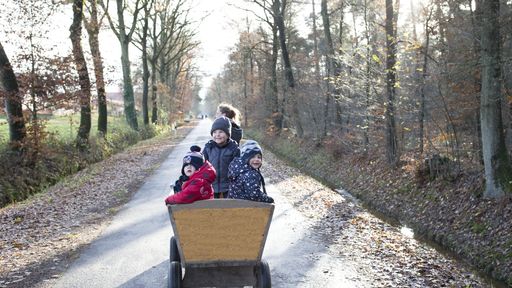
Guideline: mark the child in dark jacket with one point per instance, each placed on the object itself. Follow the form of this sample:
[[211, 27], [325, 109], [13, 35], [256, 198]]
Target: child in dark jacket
[[200, 175], [246, 181], [220, 151]]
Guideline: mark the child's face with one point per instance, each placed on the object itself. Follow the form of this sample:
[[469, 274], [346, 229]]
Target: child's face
[[189, 170], [220, 137], [256, 161]]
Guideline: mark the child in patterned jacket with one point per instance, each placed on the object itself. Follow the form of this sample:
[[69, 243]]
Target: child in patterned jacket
[[245, 179]]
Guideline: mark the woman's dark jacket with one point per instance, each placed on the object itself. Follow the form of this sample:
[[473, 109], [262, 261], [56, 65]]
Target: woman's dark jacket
[[236, 132]]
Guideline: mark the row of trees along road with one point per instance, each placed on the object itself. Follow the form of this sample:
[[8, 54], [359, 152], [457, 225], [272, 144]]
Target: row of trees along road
[[38, 78], [406, 79]]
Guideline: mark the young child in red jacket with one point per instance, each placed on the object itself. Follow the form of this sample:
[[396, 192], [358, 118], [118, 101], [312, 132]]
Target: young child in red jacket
[[201, 175]]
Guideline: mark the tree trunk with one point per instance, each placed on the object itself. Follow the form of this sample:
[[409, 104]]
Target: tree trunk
[[498, 179], [423, 84], [367, 84], [287, 65], [145, 68], [154, 102], [333, 67], [391, 137], [93, 31], [319, 131], [128, 97], [277, 116], [328, 57], [476, 20], [83, 76], [13, 101]]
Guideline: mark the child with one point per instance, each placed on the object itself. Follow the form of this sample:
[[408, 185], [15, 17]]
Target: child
[[198, 185], [233, 115], [220, 151], [246, 181]]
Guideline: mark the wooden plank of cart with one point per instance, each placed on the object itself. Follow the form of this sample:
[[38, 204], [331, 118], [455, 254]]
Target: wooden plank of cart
[[219, 243]]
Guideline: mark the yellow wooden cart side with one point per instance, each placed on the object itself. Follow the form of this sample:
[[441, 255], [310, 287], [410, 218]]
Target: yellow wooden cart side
[[220, 242]]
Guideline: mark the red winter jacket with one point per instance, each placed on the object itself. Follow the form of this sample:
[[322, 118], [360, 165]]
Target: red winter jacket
[[198, 187]]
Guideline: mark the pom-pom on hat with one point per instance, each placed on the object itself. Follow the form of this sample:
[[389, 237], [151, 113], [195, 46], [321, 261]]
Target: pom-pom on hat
[[194, 158], [222, 123], [249, 149]]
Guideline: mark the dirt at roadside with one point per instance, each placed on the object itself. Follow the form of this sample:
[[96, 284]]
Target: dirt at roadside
[[379, 251]]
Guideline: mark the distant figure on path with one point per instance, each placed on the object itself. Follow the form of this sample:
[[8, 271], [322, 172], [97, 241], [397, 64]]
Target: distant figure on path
[[220, 151], [225, 109], [246, 181], [195, 182]]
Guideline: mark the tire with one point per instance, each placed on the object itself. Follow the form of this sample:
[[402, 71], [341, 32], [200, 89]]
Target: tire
[[263, 277], [174, 254], [174, 280]]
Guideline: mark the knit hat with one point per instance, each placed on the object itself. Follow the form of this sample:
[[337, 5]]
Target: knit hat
[[249, 149], [194, 158], [222, 123]]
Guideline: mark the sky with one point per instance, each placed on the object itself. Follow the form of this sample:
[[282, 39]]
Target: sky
[[218, 34]]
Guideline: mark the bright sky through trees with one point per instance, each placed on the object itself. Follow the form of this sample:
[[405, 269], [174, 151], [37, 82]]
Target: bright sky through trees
[[218, 24]]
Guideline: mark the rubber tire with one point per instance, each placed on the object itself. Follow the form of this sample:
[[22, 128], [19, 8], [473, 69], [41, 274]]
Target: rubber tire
[[174, 254], [174, 280], [264, 280]]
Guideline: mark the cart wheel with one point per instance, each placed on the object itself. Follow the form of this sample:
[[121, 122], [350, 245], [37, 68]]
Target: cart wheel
[[174, 254], [264, 280], [174, 280]]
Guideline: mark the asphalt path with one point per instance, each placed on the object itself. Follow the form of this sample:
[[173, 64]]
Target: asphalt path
[[133, 251]]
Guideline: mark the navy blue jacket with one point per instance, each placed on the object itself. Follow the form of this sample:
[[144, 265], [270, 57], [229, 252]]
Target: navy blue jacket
[[220, 158], [246, 182]]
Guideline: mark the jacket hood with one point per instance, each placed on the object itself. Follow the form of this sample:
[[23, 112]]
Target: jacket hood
[[206, 172], [237, 167]]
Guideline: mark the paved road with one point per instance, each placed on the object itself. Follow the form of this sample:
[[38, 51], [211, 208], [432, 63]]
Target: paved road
[[133, 250]]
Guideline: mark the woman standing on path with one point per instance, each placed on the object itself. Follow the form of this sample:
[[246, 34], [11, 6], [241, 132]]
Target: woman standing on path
[[225, 109]]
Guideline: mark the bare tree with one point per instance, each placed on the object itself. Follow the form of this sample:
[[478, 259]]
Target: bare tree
[[332, 65], [391, 137], [498, 179], [93, 28], [83, 76], [421, 116], [124, 34], [145, 67], [170, 39], [9, 87]]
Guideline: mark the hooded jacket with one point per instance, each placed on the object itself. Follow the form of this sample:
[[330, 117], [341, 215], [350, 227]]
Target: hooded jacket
[[246, 182], [198, 187], [221, 157], [236, 132]]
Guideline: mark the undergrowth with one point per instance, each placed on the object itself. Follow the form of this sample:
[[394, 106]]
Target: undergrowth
[[49, 159]]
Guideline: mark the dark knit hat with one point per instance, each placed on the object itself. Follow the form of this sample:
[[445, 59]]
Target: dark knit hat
[[194, 158], [249, 149], [222, 123]]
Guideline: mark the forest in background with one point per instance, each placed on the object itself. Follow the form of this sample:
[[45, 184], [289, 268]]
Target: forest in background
[[44, 79], [416, 82]]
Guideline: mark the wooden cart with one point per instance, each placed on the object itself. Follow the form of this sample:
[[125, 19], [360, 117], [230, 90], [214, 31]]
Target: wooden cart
[[219, 243]]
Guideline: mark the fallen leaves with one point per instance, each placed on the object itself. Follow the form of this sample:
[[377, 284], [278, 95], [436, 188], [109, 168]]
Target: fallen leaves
[[381, 254], [41, 235]]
